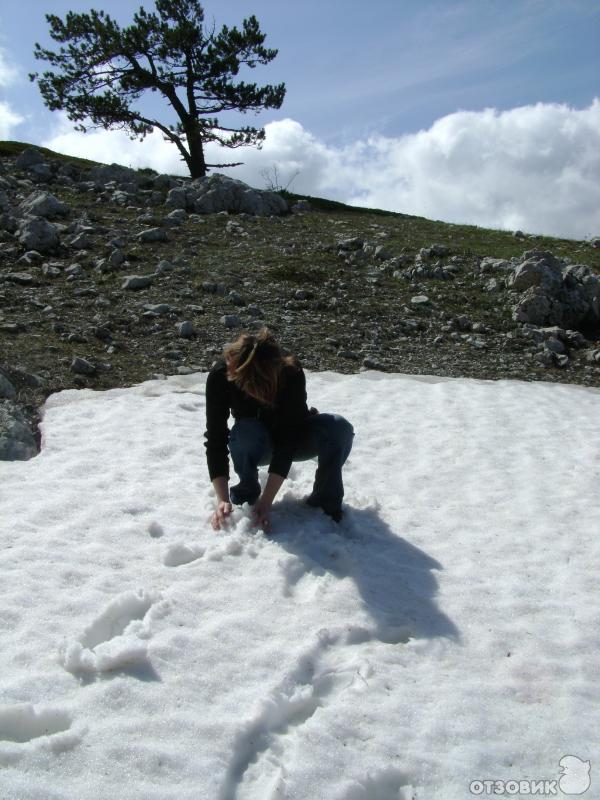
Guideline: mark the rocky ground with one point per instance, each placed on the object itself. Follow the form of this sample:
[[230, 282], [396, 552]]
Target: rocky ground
[[345, 289]]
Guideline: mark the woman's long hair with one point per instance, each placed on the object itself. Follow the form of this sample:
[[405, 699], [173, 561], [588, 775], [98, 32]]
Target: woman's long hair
[[255, 364]]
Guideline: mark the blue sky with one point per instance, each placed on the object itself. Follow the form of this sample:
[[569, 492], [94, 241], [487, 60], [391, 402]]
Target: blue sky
[[356, 70]]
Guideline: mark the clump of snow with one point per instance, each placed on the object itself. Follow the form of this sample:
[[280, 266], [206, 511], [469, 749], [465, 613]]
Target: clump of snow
[[115, 638]]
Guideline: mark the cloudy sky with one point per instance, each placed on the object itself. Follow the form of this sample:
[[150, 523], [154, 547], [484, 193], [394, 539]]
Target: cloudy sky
[[478, 111]]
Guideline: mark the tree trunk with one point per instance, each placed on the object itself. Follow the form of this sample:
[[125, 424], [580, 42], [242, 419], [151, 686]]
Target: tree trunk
[[196, 163]]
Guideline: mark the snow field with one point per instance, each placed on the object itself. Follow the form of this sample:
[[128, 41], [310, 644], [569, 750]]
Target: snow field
[[446, 631]]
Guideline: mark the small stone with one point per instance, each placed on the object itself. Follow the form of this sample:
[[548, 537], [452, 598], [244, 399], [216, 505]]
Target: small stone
[[555, 345], [116, 258], [439, 250], [350, 354], [236, 298], [31, 257], [255, 311], [419, 300], [164, 266], [231, 320], [81, 242], [353, 243], [176, 217], [102, 332], [381, 253], [463, 323], [7, 390], [157, 309], [135, 282], [153, 235], [82, 366], [302, 206], [370, 363], [186, 329], [76, 338]]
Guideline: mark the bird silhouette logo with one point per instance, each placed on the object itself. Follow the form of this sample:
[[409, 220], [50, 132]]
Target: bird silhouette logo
[[575, 775]]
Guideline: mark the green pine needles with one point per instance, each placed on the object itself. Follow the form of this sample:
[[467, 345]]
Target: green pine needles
[[101, 72]]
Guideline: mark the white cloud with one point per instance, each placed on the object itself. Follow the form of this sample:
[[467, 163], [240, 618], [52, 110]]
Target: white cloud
[[8, 73], [9, 119], [117, 147], [536, 167]]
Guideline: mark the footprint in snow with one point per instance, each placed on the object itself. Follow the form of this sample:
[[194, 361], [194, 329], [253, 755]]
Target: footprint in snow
[[116, 638], [24, 726], [320, 678], [22, 723]]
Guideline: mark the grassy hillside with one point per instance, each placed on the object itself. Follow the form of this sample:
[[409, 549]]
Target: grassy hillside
[[336, 312]]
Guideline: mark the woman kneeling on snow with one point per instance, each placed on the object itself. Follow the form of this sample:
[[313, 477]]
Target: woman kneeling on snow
[[265, 391]]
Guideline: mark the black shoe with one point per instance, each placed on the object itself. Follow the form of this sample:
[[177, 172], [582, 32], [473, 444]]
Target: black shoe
[[238, 497], [312, 501], [336, 514]]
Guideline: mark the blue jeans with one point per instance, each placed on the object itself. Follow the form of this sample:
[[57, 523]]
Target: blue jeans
[[327, 437]]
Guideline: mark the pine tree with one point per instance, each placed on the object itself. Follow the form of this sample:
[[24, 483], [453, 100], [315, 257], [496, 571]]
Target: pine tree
[[102, 71]]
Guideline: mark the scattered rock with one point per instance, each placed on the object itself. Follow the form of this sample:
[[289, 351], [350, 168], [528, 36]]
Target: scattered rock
[[300, 207], [217, 193], [36, 233], [186, 329], [490, 264], [231, 321], [43, 204], [28, 158], [22, 278], [17, 442], [370, 363], [82, 366], [135, 282], [157, 309], [236, 298], [176, 217], [555, 293], [7, 390], [153, 235], [116, 258], [354, 243]]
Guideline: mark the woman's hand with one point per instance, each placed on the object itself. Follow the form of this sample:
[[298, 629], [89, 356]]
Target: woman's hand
[[224, 509], [260, 514]]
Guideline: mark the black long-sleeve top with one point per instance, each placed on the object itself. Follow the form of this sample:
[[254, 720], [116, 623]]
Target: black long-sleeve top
[[284, 420]]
